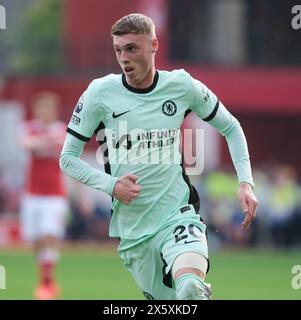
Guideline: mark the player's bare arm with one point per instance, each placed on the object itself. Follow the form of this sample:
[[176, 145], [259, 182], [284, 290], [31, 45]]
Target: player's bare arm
[[126, 188], [56, 139], [33, 142], [248, 203], [39, 142]]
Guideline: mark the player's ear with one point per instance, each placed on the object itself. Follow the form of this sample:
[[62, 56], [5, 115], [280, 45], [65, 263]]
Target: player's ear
[[155, 45]]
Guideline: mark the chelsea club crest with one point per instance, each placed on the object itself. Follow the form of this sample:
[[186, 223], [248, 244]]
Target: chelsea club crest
[[169, 108]]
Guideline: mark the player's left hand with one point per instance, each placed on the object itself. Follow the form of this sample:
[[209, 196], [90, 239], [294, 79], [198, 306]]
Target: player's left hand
[[248, 203]]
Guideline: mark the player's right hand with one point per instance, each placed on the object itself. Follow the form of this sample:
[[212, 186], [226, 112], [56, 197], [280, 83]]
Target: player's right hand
[[126, 188]]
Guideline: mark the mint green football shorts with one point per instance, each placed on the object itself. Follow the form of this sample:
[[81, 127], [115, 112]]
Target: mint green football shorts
[[150, 259]]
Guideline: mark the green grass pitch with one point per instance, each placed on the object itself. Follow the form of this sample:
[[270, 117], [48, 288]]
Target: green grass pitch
[[97, 273]]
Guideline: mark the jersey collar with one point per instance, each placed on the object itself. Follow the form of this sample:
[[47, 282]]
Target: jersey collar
[[145, 90]]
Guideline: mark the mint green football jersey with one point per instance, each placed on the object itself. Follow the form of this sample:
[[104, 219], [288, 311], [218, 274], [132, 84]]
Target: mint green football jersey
[[139, 133]]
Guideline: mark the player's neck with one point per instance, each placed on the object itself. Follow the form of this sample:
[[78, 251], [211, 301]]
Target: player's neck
[[146, 82], [46, 122]]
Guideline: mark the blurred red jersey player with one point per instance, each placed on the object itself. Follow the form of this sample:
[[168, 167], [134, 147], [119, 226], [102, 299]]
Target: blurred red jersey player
[[44, 205]]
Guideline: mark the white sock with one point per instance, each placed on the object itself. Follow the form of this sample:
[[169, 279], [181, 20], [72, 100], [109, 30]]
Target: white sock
[[191, 287]]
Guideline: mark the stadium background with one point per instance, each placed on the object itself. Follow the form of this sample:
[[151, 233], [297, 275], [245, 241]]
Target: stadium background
[[247, 52]]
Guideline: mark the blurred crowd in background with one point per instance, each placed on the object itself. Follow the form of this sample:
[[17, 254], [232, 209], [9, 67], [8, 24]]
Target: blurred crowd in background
[[278, 221]]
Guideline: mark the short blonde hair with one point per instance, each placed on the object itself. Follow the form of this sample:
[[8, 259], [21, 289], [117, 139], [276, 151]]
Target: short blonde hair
[[45, 98], [136, 23]]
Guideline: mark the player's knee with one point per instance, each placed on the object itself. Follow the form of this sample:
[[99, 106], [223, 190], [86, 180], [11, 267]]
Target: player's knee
[[189, 262], [188, 271], [192, 287]]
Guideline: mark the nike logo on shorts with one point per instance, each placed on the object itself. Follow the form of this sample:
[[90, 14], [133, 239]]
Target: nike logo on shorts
[[191, 241], [116, 115]]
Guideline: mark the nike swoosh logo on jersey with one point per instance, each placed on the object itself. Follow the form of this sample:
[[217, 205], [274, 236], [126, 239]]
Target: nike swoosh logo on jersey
[[115, 115]]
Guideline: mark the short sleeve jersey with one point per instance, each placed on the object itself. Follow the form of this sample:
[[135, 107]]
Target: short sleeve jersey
[[44, 177]]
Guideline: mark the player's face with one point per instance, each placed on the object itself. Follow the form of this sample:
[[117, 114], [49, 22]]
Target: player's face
[[135, 54], [45, 111]]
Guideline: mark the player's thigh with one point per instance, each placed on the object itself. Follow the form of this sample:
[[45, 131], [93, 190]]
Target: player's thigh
[[146, 264], [29, 217], [53, 217], [185, 235]]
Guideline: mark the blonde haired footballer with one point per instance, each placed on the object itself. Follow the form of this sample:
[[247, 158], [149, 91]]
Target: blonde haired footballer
[[155, 208]]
